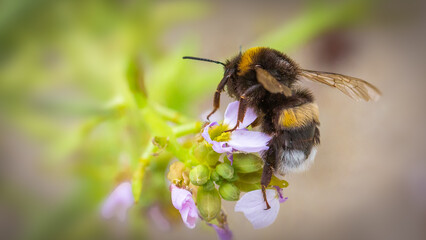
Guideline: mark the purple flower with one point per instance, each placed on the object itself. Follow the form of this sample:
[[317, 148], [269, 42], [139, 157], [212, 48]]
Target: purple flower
[[253, 206], [182, 201], [223, 233], [158, 218], [239, 140], [118, 202]]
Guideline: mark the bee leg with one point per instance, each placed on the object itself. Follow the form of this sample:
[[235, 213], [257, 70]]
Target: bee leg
[[243, 106], [265, 180], [219, 89], [241, 113], [256, 122]]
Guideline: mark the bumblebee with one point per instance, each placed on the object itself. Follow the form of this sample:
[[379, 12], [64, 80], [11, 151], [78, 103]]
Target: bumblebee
[[266, 80]]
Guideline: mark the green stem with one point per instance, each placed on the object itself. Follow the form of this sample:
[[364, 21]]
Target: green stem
[[182, 154], [137, 179], [169, 114], [185, 129]]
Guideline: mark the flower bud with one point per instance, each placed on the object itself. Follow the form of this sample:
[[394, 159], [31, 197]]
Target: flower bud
[[253, 177], [225, 170], [206, 154], [200, 151], [247, 163], [160, 142], [176, 171], [208, 203], [234, 178], [215, 176], [212, 158], [247, 187], [229, 191], [208, 186], [199, 175]]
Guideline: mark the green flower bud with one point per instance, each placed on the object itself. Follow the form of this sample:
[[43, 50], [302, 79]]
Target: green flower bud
[[160, 142], [215, 176], [212, 158], [199, 175], [229, 192], [247, 187], [206, 155], [208, 186], [201, 151], [234, 178], [225, 170], [253, 177], [208, 203], [247, 163]]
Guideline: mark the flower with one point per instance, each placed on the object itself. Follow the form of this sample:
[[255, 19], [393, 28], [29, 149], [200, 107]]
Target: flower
[[118, 202], [157, 217], [239, 140], [223, 233], [182, 201], [253, 206]]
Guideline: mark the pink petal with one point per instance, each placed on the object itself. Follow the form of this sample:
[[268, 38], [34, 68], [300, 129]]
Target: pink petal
[[182, 201], [192, 216], [231, 116], [249, 141], [179, 196], [118, 202], [253, 206]]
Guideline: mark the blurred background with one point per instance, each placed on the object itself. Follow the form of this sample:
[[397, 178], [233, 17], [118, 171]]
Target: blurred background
[[69, 131]]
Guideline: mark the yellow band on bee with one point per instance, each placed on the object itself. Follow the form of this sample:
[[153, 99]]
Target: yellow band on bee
[[247, 60], [299, 116]]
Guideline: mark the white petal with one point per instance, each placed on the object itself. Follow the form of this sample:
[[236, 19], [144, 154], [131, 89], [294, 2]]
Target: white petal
[[249, 117], [249, 141], [231, 116], [206, 134], [253, 206]]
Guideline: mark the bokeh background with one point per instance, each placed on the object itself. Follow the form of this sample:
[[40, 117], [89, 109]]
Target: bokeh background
[[70, 132]]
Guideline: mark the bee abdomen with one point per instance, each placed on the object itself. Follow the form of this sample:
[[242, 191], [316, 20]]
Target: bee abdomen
[[298, 117], [295, 161], [293, 150]]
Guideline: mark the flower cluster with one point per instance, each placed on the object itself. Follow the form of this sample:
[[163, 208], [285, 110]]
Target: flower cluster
[[218, 165], [227, 164]]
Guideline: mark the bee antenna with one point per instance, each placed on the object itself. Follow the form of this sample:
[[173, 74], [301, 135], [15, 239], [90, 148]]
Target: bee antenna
[[204, 59]]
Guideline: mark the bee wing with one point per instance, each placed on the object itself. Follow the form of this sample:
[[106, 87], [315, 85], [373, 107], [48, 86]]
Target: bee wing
[[270, 83], [355, 88]]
